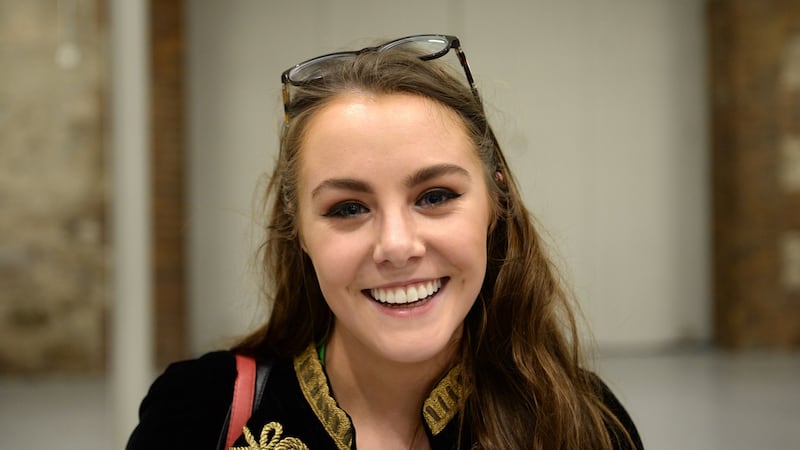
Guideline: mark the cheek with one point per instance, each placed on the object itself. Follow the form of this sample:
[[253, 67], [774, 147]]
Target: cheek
[[478, 234], [472, 252], [464, 243], [336, 259]]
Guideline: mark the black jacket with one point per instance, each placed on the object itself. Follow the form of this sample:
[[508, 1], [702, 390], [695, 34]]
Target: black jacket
[[187, 405]]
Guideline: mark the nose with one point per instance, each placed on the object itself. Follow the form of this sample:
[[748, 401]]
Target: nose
[[398, 240]]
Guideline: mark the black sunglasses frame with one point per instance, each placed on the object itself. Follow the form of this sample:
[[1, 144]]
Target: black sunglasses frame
[[452, 43]]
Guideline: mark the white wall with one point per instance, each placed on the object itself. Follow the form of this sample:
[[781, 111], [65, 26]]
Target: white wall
[[131, 354], [600, 106]]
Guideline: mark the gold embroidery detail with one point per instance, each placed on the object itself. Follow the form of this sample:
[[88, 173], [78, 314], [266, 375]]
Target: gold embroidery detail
[[439, 408], [271, 439], [315, 389], [444, 402]]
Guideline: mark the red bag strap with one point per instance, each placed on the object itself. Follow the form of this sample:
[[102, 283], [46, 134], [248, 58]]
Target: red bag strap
[[243, 390]]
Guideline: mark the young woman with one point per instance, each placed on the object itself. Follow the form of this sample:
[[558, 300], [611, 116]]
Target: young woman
[[413, 305]]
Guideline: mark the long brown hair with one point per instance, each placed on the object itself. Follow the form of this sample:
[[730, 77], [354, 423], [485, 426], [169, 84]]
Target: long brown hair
[[520, 352]]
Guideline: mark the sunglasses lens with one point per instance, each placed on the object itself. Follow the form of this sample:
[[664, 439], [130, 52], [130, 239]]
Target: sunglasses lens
[[317, 68], [427, 47]]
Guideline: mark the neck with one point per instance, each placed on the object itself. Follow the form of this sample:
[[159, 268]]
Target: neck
[[382, 395]]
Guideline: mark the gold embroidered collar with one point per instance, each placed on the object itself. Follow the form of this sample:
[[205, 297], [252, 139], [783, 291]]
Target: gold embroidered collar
[[438, 409]]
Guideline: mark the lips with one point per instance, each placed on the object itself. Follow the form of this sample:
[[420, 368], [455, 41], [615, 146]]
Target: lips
[[404, 295]]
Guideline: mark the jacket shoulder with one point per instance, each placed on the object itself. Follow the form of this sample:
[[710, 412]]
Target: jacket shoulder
[[615, 406], [186, 405]]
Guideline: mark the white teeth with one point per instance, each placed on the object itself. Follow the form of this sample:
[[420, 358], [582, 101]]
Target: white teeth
[[408, 294]]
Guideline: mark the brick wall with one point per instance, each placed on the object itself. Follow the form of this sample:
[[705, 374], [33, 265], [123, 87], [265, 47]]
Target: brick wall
[[168, 178], [53, 187], [755, 88]]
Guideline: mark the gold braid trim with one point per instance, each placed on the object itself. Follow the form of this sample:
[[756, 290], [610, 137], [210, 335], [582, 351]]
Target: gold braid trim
[[315, 389], [271, 439], [444, 402]]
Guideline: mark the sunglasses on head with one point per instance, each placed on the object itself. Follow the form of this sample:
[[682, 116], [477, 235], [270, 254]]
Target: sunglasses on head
[[427, 46]]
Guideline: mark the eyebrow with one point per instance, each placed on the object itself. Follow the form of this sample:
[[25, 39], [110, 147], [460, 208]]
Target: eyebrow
[[431, 172], [421, 176]]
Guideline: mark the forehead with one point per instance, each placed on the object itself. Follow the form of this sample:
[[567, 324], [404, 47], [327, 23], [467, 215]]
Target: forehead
[[357, 130]]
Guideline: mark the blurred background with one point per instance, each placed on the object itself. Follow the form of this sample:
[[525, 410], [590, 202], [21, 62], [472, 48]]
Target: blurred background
[[656, 141]]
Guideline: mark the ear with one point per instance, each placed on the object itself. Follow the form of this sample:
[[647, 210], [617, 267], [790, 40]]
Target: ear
[[499, 177]]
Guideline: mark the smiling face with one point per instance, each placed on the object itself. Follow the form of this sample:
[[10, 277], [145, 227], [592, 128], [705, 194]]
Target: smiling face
[[393, 211]]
